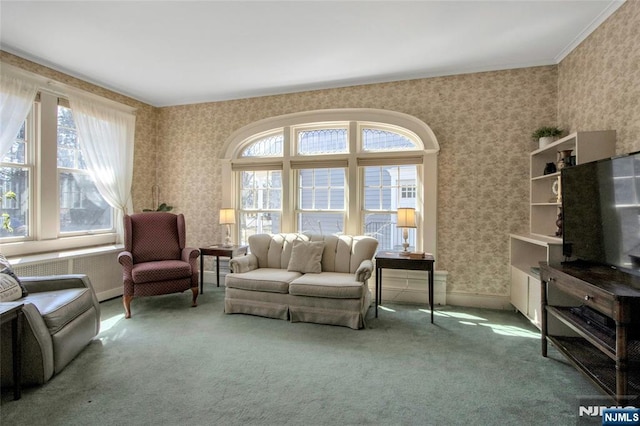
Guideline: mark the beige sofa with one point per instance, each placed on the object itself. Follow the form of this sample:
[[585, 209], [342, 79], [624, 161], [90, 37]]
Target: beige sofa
[[303, 278], [61, 317]]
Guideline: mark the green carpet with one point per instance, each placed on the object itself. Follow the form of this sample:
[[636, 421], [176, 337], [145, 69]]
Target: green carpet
[[176, 365]]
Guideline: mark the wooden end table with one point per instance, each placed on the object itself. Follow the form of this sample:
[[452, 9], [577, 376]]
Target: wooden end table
[[12, 311], [217, 251], [396, 260]]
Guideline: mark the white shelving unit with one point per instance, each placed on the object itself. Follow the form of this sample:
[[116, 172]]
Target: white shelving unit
[[542, 244]]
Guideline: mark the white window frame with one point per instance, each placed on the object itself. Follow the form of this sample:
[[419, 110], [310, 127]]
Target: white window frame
[[45, 233], [29, 164], [242, 211], [397, 201], [425, 156]]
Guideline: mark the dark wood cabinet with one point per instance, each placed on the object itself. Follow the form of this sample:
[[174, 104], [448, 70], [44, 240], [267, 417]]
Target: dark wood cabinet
[[591, 314]]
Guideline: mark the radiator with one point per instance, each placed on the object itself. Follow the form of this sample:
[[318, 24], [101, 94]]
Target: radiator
[[102, 268]]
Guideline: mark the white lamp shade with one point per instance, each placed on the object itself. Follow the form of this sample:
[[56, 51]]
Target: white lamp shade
[[227, 216], [406, 217]]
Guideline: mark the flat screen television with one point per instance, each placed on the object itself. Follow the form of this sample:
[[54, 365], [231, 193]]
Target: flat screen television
[[601, 212]]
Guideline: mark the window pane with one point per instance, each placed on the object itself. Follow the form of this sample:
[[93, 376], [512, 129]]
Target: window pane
[[271, 146], [382, 227], [321, 178], [305, 198], [261, 194], [385, 189], [321, 198], [322, 223], [69, 154], [261, 190], [383, 140], [322, 141], [275, 199], [16, 154], [389, 187], [66, 158], [258, 223], [82, 208], [372, 199], [336, 199], [14, 208], [321, 189], [248, 201], [306, 178]]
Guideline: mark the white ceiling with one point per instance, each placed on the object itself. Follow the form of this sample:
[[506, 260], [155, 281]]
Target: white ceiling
[[182, 52]]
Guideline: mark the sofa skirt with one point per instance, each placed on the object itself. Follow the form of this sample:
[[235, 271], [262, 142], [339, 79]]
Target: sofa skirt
[[270, 305], [344, 312]]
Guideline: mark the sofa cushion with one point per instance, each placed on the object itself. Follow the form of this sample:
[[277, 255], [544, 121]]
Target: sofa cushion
[[345, 253], [60, 307], [333, 285], [262, 279], [273, 250], [306, 257], [163, 270]]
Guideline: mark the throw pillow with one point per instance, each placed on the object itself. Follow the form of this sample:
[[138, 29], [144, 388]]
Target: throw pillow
[[9, 288], [306, 257], [8, 276]]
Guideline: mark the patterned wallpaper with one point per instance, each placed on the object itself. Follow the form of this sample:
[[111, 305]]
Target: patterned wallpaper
[[599, 82], [482, 122]]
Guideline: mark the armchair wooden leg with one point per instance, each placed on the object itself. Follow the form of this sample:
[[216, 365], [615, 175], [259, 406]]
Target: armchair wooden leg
[[126, 301], [194, 290]]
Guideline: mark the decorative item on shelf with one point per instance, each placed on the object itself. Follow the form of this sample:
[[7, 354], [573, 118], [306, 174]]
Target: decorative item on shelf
[[406, 220], [227, 217], [161, 208], [546, 135], [564, 158], [549, 168], [157, 206], [559, 223], [556, 188]]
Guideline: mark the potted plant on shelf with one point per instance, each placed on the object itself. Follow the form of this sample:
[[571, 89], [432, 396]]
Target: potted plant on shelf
[[161, 208], [546, 135]]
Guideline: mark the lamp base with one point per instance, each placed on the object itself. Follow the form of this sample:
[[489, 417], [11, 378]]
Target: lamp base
[[227, 241], [405, 244]]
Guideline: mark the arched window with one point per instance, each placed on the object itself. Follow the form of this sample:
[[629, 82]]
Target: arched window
[[334, 171]]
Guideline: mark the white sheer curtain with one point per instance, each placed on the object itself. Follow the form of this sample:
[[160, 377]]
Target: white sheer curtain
[[106, 138], [16, 97]]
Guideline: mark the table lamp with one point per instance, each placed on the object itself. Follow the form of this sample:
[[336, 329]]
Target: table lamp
[[406, 220], [227, 217]]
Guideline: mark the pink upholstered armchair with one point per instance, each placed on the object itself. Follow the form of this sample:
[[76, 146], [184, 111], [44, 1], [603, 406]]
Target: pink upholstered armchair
[[155, 260]]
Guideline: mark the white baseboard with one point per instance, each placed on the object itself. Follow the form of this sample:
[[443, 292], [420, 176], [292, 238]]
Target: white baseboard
[[404, 286], [479, 301], [414, 296], [209, 277], [109, 294]]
